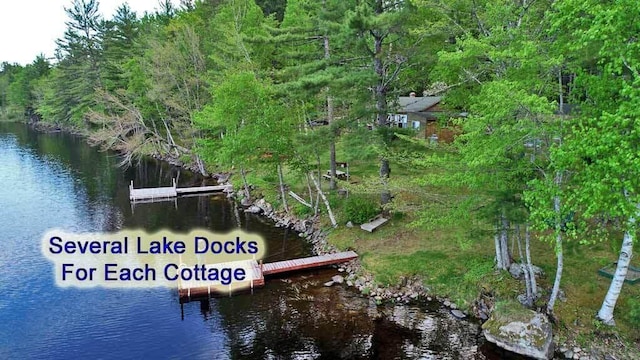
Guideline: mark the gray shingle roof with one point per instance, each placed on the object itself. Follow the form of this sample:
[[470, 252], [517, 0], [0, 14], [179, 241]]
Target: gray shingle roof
[[408, 104]]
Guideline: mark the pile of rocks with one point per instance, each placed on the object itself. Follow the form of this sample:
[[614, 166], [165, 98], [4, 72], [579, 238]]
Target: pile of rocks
[[573, 352]]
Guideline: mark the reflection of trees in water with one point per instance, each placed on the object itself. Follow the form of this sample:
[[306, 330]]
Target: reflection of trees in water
[[277, 322], [329, 323], [89, 175]]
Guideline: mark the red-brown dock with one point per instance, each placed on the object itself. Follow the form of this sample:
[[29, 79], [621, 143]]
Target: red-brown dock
[[256, 272]]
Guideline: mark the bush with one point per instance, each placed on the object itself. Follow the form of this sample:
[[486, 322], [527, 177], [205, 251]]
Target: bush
[[359, 209], [634, 311], [301, 210]]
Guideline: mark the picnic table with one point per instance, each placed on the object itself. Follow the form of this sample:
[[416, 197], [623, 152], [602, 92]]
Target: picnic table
[[339, 174]]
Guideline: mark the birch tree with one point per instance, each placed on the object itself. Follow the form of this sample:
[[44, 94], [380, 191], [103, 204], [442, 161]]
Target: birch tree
[[603, 150], [500, 70]]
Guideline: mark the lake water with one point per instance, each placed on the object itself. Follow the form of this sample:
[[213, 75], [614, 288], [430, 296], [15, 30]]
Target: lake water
[[58, 181]]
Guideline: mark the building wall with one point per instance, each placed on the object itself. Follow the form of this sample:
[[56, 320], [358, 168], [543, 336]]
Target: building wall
[[445, 134]]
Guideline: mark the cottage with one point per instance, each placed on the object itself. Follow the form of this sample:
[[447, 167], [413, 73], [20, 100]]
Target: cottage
[[421, 114]]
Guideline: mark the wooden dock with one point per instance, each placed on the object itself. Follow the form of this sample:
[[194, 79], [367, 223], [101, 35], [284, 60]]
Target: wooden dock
[[162, 193], [307, 263], [188, 290]]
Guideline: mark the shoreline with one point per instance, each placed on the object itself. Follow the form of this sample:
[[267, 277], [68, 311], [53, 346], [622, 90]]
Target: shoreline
[[410, 292]]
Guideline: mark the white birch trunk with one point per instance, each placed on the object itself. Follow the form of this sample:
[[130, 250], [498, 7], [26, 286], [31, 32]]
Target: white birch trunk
[[504, 242], [282, 194], [527, 273], [246, 184], [496, 239], [310, 191], [332, 147], [558, 223], [527, 246], [606, 311], [559, 256]]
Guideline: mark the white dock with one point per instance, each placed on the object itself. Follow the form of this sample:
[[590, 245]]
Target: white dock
[[373, 224], [204, 189], [163, 193]]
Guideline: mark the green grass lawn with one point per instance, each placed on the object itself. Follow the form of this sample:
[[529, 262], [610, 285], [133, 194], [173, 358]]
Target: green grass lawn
[[429, 235]]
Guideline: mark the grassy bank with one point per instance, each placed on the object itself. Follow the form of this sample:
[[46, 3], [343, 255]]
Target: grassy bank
[[432, 235]]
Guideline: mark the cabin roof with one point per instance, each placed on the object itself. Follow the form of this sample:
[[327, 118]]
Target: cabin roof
[[412, 104]]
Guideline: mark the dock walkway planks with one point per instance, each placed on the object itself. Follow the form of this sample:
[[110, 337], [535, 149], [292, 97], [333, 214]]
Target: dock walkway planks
[[153, 193], [172, 191], [195, 289], [203, 189], [307, 263], [370, 226]]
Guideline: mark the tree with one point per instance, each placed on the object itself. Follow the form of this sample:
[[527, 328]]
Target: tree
[[246, 126], [603, 149], [21, 91], [377, 25], [78, 75], [310, 36], [500, 64], [119, 46]]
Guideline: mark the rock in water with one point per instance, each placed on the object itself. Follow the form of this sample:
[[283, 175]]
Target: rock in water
[[337, 279], [254, 210], [245, 202], [520, 330]]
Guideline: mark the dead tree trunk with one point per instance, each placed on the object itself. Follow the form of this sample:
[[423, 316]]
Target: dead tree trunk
[[326, 203], [246, 185], [282, 193]]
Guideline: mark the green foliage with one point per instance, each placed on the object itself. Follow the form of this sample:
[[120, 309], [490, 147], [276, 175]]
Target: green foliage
[[302, 210], [634, 311], [359, 209]]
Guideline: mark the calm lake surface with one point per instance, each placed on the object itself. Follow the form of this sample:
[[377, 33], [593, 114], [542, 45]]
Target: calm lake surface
[[58, 181]]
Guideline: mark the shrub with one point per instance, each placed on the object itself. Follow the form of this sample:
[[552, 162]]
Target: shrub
[[359, 209], [634, 311], [301, 210]]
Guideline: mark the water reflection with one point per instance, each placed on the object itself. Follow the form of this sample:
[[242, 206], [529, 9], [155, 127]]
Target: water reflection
[[299, 318]]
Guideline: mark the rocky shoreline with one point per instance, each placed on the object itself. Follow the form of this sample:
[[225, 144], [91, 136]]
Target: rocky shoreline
[[352, 273], [410, 290]]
